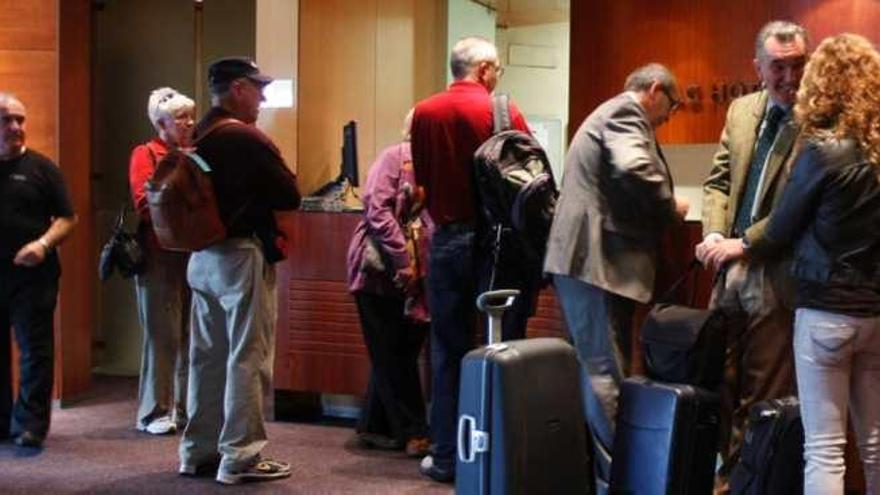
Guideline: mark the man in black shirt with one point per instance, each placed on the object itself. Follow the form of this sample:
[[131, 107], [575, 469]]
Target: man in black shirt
[[35, 217], [233, 285]]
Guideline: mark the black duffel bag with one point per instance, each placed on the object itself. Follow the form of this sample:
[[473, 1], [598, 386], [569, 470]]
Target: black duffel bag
[[684, 344], [772, 456]]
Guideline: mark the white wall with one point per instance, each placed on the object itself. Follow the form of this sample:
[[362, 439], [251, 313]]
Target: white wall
[[467, 18], [539, 83]]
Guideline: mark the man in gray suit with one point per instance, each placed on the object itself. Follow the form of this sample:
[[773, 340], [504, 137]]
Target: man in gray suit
[[750, 168], [616, 200]]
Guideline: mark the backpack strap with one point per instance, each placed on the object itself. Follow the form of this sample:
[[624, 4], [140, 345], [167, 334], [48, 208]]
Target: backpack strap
[[501, 112], [226, 121]]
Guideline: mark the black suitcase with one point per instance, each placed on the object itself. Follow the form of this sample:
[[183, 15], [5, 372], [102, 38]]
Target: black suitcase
[[772, 456], [521, 427], [666, 439]]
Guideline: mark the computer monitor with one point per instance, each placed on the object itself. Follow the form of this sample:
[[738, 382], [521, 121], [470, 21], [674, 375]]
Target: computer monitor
[[349, 154]]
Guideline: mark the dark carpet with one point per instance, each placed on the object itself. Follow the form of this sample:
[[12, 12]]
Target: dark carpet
[[94, 448]]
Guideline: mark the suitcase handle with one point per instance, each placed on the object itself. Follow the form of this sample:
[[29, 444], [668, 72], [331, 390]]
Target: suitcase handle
[[494, 303], [485, 300], [479, 440]]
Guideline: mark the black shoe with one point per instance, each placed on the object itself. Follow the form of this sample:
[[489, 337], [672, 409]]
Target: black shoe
[[435, 472], [377, 441], [29, 440], [200, 470]]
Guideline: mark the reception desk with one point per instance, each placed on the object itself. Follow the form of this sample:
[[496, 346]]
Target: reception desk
[[320, 347]]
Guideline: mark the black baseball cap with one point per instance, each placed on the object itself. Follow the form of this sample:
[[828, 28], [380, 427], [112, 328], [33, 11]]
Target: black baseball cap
[[228, 69]]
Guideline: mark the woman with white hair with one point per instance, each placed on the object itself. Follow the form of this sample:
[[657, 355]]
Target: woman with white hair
[[163, 295]]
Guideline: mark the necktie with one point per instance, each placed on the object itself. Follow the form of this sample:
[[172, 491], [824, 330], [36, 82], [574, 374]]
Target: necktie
[[762, 150]]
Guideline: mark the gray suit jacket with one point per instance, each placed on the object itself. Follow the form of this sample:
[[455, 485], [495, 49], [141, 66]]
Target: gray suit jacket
[[615, 202]]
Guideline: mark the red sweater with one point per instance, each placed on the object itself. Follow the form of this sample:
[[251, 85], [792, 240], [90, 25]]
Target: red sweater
[[447, 129], [140, 169]]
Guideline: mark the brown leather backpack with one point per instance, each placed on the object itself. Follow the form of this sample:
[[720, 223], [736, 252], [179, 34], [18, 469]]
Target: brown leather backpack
[[180, 195]]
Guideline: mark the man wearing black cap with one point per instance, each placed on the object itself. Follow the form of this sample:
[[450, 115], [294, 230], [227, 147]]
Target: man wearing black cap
[[233, 284]]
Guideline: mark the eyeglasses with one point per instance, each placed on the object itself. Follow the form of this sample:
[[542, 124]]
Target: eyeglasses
[[674, 104], [499, 69]]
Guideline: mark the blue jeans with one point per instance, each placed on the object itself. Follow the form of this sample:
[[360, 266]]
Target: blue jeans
[[837, 360], [27, 304], [597, 320], [451, 293]]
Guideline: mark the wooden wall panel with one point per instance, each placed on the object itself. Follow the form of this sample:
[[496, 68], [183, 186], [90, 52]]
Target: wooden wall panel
[[29, 25], [367, 61], [77, 303], [394, 94], [31, 76], [703, 42], [337, 67]]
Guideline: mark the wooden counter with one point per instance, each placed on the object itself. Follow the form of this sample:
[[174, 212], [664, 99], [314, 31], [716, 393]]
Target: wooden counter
[[320, 347]]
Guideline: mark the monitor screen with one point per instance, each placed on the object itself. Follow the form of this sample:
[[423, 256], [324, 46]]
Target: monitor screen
[[349, 153]]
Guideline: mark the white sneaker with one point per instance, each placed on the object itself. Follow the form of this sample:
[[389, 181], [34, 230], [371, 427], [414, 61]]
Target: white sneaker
[[159, 426]]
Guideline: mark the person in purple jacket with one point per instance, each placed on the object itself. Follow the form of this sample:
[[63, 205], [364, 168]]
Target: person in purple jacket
[[387, 263]]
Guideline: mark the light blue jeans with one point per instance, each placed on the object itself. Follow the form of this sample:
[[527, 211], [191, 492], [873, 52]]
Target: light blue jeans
[[598, 322], [837, 360]]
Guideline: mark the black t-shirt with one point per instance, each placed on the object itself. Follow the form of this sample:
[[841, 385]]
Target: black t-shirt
[[32, 193]]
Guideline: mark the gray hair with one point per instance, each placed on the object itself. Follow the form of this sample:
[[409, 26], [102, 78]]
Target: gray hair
[[7, 98], [167, 103], [645, 76], [783, 31], [468, 52]]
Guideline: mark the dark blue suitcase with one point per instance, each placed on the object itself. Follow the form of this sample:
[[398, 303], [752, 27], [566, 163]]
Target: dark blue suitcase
[[521, 427], [666, 439]]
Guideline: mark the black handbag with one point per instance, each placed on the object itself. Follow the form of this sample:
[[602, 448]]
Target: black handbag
[[122, 252], [684, 344]]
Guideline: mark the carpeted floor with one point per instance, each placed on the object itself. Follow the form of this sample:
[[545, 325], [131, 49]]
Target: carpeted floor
[[94, 448]]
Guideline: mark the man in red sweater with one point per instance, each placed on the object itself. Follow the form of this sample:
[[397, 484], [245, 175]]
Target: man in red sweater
[[447, 129]]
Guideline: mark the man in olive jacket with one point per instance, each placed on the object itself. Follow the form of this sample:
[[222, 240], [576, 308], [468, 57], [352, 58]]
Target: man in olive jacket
[[749, 172]]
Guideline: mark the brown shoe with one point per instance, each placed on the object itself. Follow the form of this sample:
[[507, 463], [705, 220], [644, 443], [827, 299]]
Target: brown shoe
[[418, 446]]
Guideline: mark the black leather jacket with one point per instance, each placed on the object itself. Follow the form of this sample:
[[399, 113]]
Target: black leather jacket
[[831, 210]]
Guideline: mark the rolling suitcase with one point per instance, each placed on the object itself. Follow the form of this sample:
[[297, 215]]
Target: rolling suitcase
[[666, 439], [521, 427]]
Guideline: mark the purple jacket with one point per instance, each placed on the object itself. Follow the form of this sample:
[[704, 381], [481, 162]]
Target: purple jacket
[[387, 198]]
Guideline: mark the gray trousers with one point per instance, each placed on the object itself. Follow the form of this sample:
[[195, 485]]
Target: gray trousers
[[163, 299], [231, 355]]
